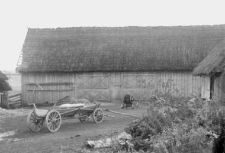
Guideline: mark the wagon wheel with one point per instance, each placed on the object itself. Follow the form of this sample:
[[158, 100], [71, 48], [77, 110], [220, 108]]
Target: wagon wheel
[[83, 119], [35, 124], [53, 121], [98, 115]]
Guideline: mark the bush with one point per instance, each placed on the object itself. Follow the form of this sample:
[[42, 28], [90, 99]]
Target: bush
[[177, 125]]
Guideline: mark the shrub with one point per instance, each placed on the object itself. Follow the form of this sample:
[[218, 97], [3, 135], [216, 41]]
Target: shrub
[[174, 125]]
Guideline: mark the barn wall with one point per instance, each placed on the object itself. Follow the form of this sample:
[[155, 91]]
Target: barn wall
[[144, 85], [107, 86], [32, 93]]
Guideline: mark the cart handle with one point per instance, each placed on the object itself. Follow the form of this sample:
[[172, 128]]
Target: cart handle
[[33, 104]]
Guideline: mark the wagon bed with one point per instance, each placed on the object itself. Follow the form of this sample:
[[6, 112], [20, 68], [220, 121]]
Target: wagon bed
[[53, 117]]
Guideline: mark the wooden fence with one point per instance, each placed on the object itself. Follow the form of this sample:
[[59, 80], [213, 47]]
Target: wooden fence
[[14, 101]]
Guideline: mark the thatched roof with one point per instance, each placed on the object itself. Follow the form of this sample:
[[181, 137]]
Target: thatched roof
[[4, 85], [95, 49], [3, 76], [214, 61]]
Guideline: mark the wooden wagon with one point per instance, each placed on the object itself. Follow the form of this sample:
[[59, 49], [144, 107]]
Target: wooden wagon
[[53, 117]]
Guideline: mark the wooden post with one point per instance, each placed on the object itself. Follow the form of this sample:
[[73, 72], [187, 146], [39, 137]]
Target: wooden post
[[5, 100]]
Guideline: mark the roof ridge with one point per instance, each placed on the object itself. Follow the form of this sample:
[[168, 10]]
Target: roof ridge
[[130, 26]]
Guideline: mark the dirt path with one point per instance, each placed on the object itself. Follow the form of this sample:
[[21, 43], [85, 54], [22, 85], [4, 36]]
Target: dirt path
[[71, 135]]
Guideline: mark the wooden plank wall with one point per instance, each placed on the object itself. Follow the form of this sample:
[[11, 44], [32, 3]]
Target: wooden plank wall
[[179, 84], [50, 92]]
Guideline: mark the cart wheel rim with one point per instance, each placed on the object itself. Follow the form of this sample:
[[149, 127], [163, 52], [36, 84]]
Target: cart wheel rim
[[82, 119], [53, 121], [98, 115], [33, 123]]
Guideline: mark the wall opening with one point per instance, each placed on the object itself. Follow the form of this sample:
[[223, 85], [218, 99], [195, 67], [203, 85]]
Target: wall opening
[[1, 99], [211, 86], [222, 97]]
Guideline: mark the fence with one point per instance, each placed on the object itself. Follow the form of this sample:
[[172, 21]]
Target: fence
[[14, 101]]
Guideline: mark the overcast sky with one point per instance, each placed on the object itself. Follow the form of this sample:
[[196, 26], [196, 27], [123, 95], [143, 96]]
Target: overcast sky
[[18, 15]]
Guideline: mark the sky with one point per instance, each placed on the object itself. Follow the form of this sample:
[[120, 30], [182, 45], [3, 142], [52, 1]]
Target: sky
[[17, 16]]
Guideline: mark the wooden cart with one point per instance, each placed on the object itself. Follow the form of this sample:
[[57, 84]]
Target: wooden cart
[[53, 117]]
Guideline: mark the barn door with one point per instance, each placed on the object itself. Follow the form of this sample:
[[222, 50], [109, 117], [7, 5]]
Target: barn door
[[93, 87], [116, 92], [140, 86], [205, 89]]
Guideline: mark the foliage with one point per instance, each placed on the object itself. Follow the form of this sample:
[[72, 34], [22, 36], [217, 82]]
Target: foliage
[[177, 125]]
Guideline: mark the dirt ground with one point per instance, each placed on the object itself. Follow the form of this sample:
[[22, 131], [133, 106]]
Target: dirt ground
[[71, 136]]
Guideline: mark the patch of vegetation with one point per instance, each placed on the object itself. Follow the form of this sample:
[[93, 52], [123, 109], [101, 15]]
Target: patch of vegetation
[[177, 125], [174, 125]]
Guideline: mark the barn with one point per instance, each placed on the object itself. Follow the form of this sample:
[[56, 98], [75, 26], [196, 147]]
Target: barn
[[4, 88], [105, 63], [212, 69]]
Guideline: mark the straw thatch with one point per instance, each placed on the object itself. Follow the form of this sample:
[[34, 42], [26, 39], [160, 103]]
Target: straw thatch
[[4, 85], [214, 62], [95, 49], [3, 76]]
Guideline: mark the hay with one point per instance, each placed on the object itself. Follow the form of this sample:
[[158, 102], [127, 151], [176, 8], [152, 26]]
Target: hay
[[120, 140]]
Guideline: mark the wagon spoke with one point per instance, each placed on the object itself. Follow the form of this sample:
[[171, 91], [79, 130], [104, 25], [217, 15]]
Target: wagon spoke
[[54, 126], [31, 125], [55, 115], [39, 125], [50, 116], [57, 123], [51, 126], [31, 119], [57, 119], [35, 127], [50, 123]]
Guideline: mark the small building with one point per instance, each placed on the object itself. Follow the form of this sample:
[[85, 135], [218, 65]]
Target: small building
[[211, 70], [4, 88], [105, 63]]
